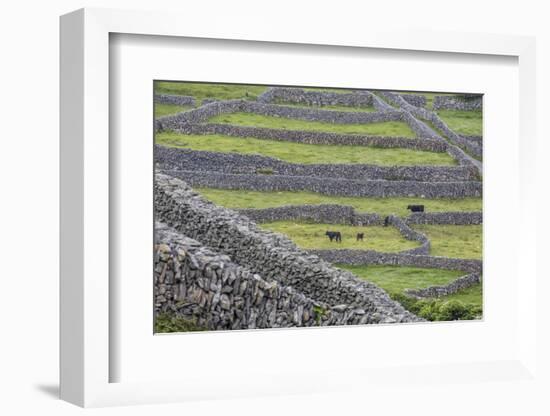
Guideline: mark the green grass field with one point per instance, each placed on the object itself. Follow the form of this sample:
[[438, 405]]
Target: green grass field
[[388, 128], [383, 206], [397, 279], [369, 109], [168, 109], [305, 153], [201, 91], [312, 236], [468, 123], [461, 241]]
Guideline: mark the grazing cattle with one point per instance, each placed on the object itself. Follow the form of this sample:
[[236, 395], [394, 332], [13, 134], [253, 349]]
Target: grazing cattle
[[334, 235], [360, 236], [386, 221], [416, 208]]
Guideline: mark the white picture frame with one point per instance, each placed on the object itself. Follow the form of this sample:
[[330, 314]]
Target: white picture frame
[[86, 304]]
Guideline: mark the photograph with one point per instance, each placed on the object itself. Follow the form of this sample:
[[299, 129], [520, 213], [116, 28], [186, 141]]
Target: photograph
[[292, 206]]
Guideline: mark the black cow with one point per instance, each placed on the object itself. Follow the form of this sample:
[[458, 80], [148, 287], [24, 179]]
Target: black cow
[[334, 235], [416, 208], [360, 236], [386, 221]]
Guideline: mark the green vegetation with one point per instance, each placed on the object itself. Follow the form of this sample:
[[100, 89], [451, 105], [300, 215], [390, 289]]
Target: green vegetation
[[304, 153], [461, 241], [312, 236], [166, 322], [382, 206], [466, 304], [468, 123], [439, 309], [330, 107], [208, 90], [388, 128], [472, 295], [397, 279], [167, 109]]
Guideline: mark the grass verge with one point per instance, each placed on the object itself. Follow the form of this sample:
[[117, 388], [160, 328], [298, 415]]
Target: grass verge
[[305, 153]]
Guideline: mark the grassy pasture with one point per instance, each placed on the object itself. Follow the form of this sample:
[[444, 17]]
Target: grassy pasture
[[388, 128], [216, 91], [312, 236], [461, 241], [305, 153], [383, 206], [468, 123], [397, 279]]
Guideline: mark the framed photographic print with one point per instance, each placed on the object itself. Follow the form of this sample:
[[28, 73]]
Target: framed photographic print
[[281, 213]]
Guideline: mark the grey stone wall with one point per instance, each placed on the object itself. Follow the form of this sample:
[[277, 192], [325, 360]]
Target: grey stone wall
[[276, 95], [322, 213], [366, 257], [455, 286], [432, 117], [271, 255], [199, 284], [453, 102], [412, 235], [442, 218], [315, 137], [183, 100], [185, 159], [415, 99], [329, 186]]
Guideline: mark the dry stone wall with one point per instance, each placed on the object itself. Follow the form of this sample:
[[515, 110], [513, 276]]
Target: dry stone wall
[[314, 137], [453, 102], [443, 218], [415, 99], [410, 234], [277, 95], [201, 285], [185, 159], [272, 256], [425, 114], [366, 257], [455, 286], [182, 100], [329, 186]]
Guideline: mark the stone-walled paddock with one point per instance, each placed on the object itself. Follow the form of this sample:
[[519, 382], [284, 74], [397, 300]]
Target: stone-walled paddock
[[315, 137], [184, 159], [455, 286], [272, 256], [445, 218], [182, 100], [329, 186], [366, 257], [275, 95], [198, 284], [207, 111], [425, 114], [452, 102]]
